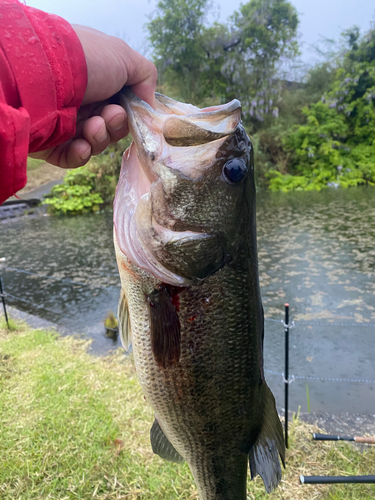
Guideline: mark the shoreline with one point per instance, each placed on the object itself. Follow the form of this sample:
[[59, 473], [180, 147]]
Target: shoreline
[[338, 424]]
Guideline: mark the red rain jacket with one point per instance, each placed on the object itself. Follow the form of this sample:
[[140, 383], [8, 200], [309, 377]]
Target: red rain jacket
[[43, 78]]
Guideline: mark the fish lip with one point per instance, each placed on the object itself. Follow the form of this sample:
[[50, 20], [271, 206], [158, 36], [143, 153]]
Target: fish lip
[[127, 98], [175, 124]]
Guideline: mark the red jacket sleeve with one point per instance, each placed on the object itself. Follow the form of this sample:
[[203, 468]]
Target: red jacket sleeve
[[43, 79]]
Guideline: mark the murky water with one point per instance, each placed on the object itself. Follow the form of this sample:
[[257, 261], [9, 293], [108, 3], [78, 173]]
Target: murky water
[[316, 251]]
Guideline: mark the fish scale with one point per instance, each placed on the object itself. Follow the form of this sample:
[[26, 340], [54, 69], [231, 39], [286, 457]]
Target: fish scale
[[198, 346]]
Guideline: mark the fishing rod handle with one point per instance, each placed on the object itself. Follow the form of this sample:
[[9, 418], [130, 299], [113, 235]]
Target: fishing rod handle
[[357, 439], [364, 439]]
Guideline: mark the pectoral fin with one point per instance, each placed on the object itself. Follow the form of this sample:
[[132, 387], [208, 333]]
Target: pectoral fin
[[161, 445], [264, 455], [165, 328], [124, 322]]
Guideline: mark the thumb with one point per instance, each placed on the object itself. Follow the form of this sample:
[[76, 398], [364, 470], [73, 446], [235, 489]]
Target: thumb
[[112, 64], [142, 76]]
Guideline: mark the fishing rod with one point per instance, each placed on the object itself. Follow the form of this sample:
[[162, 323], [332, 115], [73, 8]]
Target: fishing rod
[[330, 437], [337, 479]]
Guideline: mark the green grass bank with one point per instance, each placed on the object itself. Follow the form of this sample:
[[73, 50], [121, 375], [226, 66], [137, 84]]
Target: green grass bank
[[77, 426]]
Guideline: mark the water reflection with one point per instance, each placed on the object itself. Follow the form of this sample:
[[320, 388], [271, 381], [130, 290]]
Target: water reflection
[[316, 251]]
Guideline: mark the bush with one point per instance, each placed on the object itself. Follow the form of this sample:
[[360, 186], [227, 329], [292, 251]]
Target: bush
[[89, 188], [336, 146]]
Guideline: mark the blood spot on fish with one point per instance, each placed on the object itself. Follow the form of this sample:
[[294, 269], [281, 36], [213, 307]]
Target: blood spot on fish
[[173, 292], [126, 268]]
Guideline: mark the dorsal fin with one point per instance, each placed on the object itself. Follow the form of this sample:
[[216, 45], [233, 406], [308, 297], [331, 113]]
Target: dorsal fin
[[124, 322]]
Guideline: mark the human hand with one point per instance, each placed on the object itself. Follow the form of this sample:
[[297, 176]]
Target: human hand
[[111, 64]]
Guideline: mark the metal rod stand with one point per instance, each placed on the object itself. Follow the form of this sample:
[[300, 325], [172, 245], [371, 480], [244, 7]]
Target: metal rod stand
[[286, 384], [2, 295]]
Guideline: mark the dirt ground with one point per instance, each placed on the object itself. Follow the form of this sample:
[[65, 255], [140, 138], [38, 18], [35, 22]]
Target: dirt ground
[[39, 173]]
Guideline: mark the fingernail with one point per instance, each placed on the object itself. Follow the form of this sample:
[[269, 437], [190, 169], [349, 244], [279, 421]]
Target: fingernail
[[101, 135], [116, 122], [86, 154]]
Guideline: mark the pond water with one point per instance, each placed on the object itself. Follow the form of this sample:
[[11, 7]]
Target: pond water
[[316, 251]]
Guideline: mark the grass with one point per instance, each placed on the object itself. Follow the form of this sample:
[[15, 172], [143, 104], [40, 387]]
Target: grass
[[34, 163], [38, 173], [77, 426]]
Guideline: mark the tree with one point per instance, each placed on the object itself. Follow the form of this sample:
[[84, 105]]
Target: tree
[[266, 32], [336, 146], [238, 60], [176, 34]]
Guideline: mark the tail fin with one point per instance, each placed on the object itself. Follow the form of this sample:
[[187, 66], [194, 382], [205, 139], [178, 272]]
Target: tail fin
[[264, 455]]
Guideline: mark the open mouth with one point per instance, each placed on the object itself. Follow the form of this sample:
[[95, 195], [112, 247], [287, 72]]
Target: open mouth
[[182, 138], [137, 232]]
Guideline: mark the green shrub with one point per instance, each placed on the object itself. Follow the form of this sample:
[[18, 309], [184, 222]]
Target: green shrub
[[89, 188], [336, 145], [76, 194]]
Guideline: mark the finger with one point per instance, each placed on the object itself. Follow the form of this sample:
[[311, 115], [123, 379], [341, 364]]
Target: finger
[[71, 154], [142, 77], [96, 133], [86, 112], [116, 122]]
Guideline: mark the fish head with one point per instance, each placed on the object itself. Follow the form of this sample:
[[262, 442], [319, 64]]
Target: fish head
[[185, 197]]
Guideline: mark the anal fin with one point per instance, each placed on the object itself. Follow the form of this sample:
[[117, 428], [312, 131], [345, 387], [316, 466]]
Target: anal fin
[[161, 445], [124, 322], [264, 455]]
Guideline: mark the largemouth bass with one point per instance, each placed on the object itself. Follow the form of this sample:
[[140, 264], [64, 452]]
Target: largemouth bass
[[185, 240]]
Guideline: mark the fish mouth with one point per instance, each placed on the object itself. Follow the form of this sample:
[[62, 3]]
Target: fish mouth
[[174, 138], [164, 132]]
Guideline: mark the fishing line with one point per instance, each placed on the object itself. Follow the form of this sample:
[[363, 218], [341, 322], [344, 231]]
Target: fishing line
[[65, 280], [6, 294], [301, 377], [293, 323]]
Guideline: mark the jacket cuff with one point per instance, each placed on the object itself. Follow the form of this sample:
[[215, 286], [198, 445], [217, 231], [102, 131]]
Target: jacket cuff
[[49, 68]]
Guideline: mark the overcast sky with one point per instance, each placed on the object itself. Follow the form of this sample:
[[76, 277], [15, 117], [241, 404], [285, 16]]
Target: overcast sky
[[126, 18]]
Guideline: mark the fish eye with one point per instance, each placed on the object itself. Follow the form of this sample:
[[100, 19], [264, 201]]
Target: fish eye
[[234, 170]]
